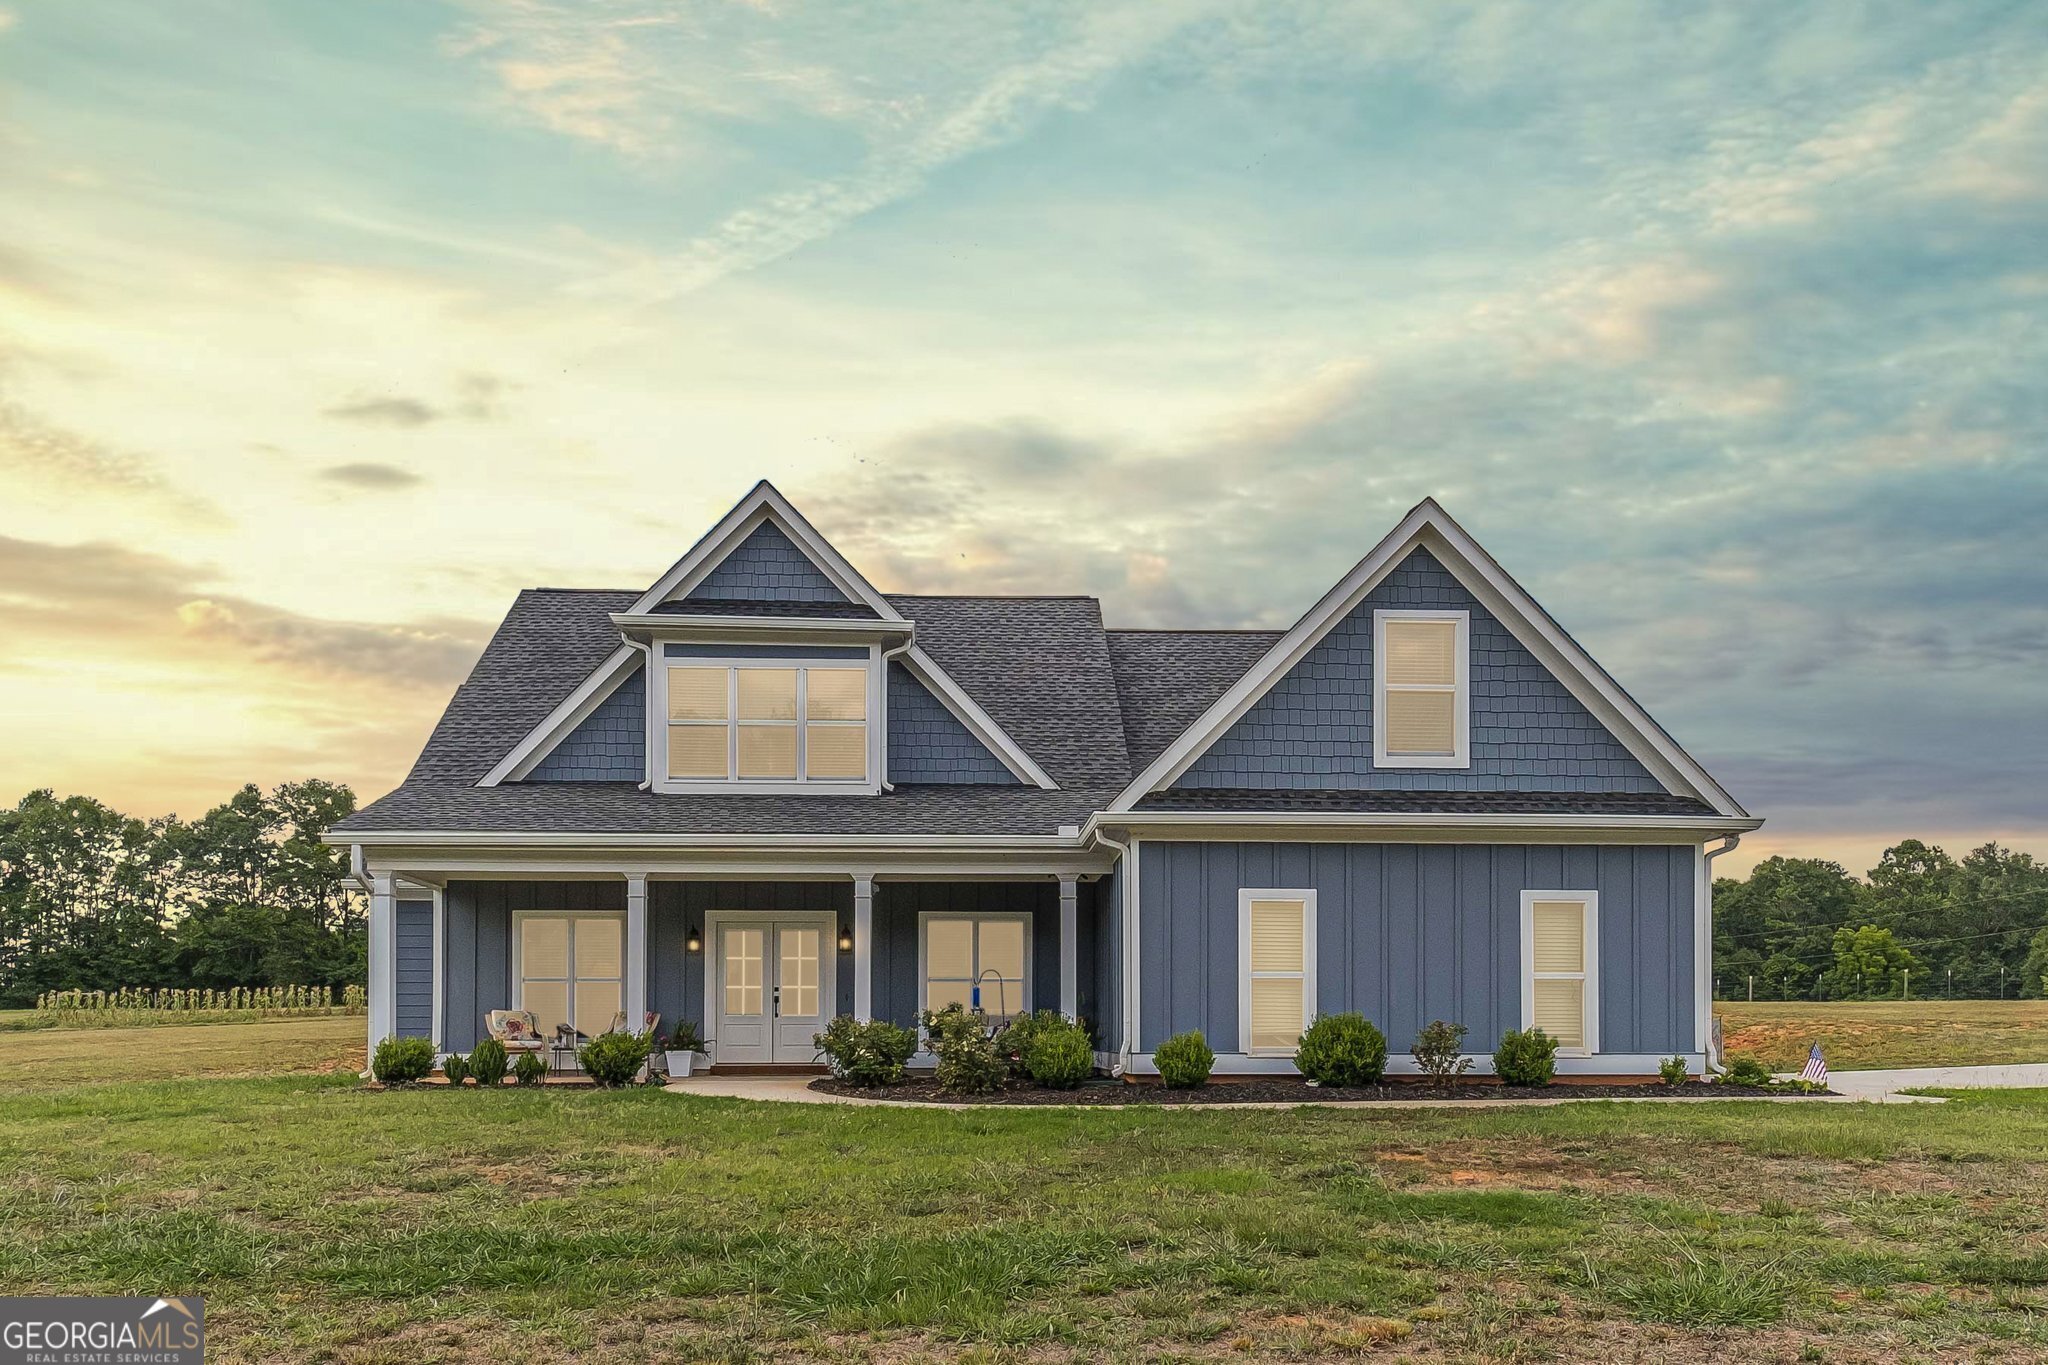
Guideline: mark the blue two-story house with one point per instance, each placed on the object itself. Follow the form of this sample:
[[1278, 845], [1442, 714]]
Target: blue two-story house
[[759, 793]]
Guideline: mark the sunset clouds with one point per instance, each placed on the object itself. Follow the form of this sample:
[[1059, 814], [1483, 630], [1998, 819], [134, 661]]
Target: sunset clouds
[[324, 329]]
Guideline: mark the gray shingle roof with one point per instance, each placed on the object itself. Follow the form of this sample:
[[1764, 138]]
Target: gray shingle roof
[[1165, 679]]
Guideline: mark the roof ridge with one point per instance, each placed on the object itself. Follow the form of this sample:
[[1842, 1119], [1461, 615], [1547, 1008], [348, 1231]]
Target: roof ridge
[[998, 596], [1195, 630]]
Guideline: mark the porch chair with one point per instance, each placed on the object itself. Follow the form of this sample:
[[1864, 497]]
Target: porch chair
[[518, 1030]]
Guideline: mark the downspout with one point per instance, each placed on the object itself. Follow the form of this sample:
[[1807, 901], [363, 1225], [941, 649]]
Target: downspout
[[358, 868], [887, 655], [1728, 843], [647, 670], [1126, 1045]]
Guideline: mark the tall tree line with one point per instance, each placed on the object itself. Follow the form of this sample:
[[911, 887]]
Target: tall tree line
[[245, 895], [1923, 924]]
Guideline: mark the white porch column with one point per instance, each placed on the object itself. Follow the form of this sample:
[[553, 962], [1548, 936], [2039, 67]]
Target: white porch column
[[383, 950], [1070, 945], [636, 950], [863, 945]]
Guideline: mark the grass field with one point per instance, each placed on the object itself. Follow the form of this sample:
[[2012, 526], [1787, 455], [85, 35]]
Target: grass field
[[323, 1221], [50, 1058], [1862, 1035]]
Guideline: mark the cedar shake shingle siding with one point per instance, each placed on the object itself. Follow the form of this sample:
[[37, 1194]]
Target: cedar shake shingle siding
[[609, 746], [1313, 729], [767, 567], [926, 742]]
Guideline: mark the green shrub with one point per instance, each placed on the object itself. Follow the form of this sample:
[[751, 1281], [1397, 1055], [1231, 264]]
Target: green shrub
[[615, 1058], [1054, 1051], [488, 1062], [969, 1060], [1525, 1057], [529, 1069], [455, 1067], [1184, 1060], [865, 1054], [1745, 1069], [1342, 1049], [683, 1038], [402, 1061], [1439, 1051], [1673, 1071]]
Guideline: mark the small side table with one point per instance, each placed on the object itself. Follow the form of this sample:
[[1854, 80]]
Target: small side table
[[562, 1055]]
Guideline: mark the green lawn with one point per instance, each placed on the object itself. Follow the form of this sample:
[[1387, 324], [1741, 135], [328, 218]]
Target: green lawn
[[1861, 1035], [327, 1222]]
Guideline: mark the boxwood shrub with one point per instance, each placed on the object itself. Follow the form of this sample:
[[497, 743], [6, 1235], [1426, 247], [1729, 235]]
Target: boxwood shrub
[[613, 1059], [402, 1061], [1342, 1049], [1184, 1060], [1525, 1057]]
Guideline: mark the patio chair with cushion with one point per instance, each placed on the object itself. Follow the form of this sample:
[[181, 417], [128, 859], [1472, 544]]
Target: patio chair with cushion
[[518, 1030], [651, 1024]]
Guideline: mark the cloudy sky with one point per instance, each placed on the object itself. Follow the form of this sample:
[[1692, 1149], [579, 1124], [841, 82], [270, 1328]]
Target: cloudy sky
[[324, 328]]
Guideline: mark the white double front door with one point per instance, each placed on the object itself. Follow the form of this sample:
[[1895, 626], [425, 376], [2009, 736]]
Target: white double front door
[[772, 986]]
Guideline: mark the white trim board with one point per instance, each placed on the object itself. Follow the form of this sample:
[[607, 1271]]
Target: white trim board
[[1600, 1064], [1427, 525]]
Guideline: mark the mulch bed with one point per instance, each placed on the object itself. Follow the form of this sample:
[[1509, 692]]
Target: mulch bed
[[1284, 1090]]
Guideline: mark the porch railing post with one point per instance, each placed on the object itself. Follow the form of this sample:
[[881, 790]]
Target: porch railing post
[[863, 945], [383, 954], [636, 950], [1070, 945]]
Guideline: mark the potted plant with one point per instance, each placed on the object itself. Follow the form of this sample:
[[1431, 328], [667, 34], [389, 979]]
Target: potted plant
[[681, 1048]]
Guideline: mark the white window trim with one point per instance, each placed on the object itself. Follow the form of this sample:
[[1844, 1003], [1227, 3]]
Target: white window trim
[[1461, 690], [658, 726], [1245, 897], [516, 993], [924, 919], [1590, 903]]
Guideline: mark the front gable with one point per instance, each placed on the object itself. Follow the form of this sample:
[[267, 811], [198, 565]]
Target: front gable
[[766, 567], [1534, 711], [1312, 731]]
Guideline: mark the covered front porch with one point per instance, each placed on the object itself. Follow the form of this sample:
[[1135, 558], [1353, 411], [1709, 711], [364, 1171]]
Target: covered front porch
[[756, 963]]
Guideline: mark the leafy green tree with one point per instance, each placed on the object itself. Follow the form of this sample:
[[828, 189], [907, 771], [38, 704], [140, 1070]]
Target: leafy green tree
[[1870, 964], [2034, 971]]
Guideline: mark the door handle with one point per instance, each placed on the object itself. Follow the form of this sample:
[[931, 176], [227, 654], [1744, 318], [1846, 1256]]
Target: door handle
[[775, 1001]]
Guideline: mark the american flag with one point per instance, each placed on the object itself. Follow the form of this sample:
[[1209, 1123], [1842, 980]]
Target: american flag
[[1816, 1067]]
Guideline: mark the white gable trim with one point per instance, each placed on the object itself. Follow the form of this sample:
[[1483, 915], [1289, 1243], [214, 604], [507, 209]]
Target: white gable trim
[[968, 712], [1432, 528], [763, 504], [574, 709]]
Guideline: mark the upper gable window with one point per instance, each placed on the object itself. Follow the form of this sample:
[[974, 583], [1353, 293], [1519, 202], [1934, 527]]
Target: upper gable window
[[1421, 689], [767, 723]]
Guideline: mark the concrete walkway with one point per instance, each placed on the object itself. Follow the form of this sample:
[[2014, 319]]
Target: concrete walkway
[[1879, 1087], [1883, 1087]]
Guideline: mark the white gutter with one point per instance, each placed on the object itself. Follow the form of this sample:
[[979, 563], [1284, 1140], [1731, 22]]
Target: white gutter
[[1135, 820], [442, 838], [1705, 950], [890, 653], [679, 621], [1127, 1045], [646, 649]]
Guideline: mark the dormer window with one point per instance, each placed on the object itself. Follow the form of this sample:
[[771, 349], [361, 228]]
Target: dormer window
[[1421, 689], [771, 722]]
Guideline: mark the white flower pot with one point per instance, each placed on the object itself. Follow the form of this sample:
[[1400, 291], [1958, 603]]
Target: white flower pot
[[679, 1063]]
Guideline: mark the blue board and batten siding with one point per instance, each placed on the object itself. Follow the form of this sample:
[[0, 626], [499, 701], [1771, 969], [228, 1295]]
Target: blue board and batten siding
[[413, 934], [477, 942], [1408, 933], [1313, 729]]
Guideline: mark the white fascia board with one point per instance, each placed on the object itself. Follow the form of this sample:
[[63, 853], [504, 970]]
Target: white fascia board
[[417, 838], [763, 503], [753, 629], [573, 710], [1417, 826], [1427, 524], [968, 712]]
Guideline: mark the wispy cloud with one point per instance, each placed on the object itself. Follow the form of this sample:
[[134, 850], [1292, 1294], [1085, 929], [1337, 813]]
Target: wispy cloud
[[370, 476]]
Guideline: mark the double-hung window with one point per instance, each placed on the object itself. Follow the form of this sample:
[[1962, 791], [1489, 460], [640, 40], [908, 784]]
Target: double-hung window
[[1561, 968], [1421, 689], [1276, 953], [984, 959], [767, 723]]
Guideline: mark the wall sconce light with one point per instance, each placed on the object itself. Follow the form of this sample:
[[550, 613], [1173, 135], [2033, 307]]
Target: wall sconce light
[[846, 940], [695, 942]]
